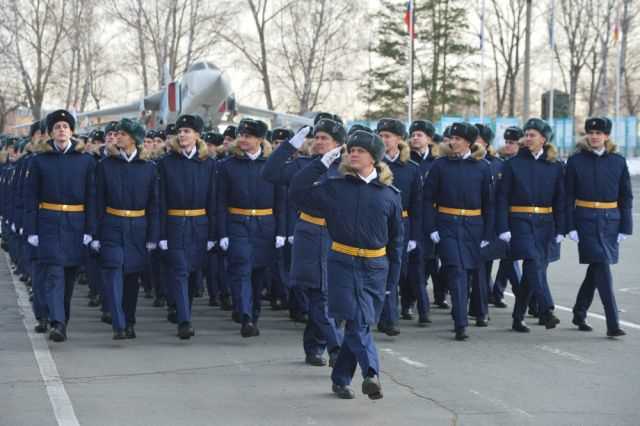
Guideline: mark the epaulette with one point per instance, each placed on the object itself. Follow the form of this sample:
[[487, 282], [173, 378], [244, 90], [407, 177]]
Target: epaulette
[[413, 162], [395, 189]]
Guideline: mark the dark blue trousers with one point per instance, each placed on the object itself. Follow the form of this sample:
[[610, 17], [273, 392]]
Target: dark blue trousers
[[508, 272], [123, 294], [598, 277], [458, 281], [534, 284], [321, 332], [357, 348], [39, 302], [58, 283]]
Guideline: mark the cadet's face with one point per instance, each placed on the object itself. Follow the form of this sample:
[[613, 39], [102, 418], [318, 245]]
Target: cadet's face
[[533, 140], [124, 140], [420, 140], [511, 147], [248, 143], [360, 159], [597, 139], [148, 144], [110, 138], [211, 148], [157, 142], [481, 142], [459, 145], [187, 138], [228, 140], [61, 131], [323, 143], [391, 141]]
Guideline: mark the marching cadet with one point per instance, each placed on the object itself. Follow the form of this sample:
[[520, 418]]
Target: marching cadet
[[251, 218], [59, 215], [110, 137], [459, 215], [531, 216], [422, 261], [229, 136], [311, 239], [363, 214], [127, 223], [509, 269], [599, 202], [187, 214], [408, 179]]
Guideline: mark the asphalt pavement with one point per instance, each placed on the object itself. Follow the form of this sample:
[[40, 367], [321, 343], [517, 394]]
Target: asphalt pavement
[[497, 377]]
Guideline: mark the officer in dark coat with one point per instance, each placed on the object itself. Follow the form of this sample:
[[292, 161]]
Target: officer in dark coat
[[459, 215], [60, 215], [531, 215], [311, 239], [363, 213], [187, 214], [408, 179], [127, 223], [599, 218], [251, 218]]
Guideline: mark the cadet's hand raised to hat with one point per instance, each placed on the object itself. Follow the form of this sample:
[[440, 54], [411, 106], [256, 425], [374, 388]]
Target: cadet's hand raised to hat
[[298, 139], [331, 156], [224, 243]]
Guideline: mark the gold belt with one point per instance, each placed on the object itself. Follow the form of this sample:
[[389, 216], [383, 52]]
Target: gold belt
[[126, 213], [597, 204], [405, 213], [313, 219], [75, 208], [187, 213], [459, 212], [531, 209], [251, 212], [358, 252]]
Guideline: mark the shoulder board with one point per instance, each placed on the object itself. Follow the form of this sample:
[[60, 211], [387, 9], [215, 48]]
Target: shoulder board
[[394, 188], [413, 162]]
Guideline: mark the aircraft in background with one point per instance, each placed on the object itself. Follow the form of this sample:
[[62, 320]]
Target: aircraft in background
[[205, 90]]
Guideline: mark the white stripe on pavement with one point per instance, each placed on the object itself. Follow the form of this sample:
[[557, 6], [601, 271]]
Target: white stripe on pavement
[[589, 314], [60, 402]]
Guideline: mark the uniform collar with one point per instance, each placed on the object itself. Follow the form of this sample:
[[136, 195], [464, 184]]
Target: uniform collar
[[537, 155], [466, 155], [190, 154], [255, 156], [371, 177], [130, 158], [62, 151], [600, 152], [392, 159]]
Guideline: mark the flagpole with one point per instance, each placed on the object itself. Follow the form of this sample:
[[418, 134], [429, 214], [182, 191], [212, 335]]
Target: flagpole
[[552, 41], [411, 49], [618, 78], [482, 62]]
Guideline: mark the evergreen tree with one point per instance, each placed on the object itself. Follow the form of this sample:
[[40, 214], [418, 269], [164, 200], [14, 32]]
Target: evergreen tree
[[440, 62]]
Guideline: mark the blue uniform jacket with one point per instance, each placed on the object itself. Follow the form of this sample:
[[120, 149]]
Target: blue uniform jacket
[[361, 215], [60, 178], [459, 184], [425, 249], [526, 181], [242, 187], [497, 249], [126, 186], [590, 177]]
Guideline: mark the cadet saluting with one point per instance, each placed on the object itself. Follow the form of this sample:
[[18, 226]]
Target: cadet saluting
[[59, 215], [531, 215], [599, 217], [364, 218]]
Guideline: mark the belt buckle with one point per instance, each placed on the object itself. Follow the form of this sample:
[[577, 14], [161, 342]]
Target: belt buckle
[[462, 212], [253, 212], [127, 213], [596, 204], [361, 252], [64, 207], [536, 209]]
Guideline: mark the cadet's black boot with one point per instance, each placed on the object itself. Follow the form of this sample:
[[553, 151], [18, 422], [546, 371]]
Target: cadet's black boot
[[443, 304], [461, 334], [225, 303], [185, 330], [371, 387], [159, 302], [315, 360], [106, 318], [407, 314], [424, 320], [119, 335], [58, 332], [581, 323], [130, 332], [333, 357], [519, 326], [343, 392], [616, 333], [236, 317], [551, 321], [41, 327], [172, 315], [249, 329], [499, 304], [482, 322]]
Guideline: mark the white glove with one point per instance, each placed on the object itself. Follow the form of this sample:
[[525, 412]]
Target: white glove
[[86, 239], [224, 243], [411, 246], [280, 241], [210, 245], [573, 236], [33, 240], [435, 237], [331, 156], [163, 245], [290, 240], [95, 245], [622, 237], [559, 238], [21, 231], [151, 246], [505, 236], [484, 243], [13, 227], [298, 139]]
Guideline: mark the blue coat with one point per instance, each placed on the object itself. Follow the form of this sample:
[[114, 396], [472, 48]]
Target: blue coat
[[459, 184], [311, 242], [60, 178], [590, 177], [242, 186], [526, 181], [187, 184], [126, 186], [361, 215], [498, 248], [425, 249]]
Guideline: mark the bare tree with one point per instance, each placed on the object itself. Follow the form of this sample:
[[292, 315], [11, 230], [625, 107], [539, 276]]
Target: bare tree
[[506, 36], [315, 43], [37, 29]]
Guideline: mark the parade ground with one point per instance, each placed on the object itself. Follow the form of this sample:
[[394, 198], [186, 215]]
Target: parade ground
[[497, 377]]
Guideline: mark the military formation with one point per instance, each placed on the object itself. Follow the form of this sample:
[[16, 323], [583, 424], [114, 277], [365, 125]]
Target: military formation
[[344, 228]]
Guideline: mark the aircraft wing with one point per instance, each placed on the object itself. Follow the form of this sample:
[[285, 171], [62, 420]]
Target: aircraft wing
[[278, 119]]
